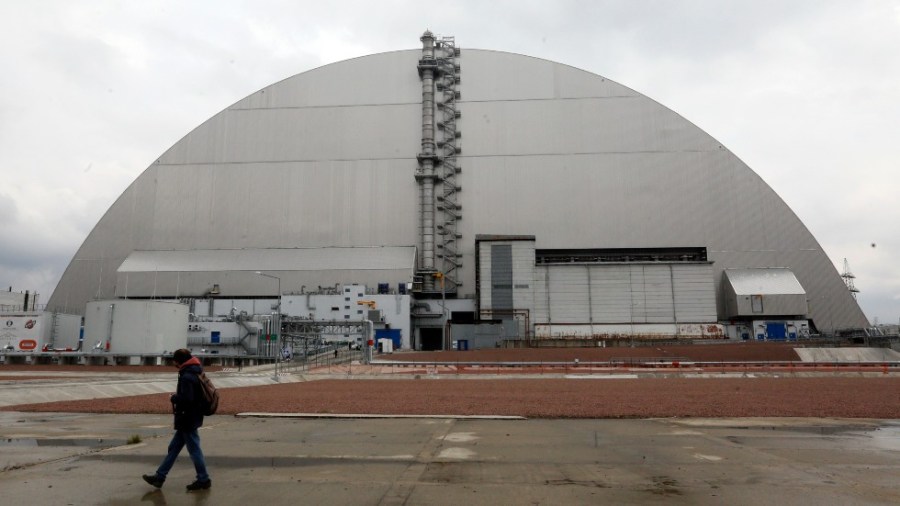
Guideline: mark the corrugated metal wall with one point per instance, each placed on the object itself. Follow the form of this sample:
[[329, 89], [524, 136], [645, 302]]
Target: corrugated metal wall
[[622, 293], [663, 293], [695, 293]]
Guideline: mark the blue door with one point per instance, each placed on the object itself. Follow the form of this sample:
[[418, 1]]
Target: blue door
[[776, 331]]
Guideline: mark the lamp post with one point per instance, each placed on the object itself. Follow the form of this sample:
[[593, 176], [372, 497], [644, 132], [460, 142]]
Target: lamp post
[[277, 322]]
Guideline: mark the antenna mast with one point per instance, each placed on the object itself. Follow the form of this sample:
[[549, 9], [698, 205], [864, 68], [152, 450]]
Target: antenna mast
[[848, 279]]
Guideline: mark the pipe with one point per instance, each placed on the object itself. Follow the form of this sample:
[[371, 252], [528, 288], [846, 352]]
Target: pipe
[[427, 157], [369, 338], [112, 311]]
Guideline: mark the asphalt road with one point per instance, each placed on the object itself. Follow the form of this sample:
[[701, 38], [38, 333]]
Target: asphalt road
[[74, 459]]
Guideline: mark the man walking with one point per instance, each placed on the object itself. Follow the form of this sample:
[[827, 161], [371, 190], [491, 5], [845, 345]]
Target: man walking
[[187, 403]]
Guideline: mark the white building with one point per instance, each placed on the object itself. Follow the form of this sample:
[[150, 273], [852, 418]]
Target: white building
[[427, 169]]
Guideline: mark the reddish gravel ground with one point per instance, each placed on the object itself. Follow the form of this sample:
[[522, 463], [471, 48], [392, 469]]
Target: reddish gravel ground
[[842, 397], [597, 397]]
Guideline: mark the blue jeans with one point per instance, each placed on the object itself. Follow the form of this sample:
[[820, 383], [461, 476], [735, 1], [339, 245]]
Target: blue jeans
[[179, 440]]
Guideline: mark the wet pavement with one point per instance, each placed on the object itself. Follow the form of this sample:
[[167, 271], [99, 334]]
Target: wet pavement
[[66, 458], [70, 386]]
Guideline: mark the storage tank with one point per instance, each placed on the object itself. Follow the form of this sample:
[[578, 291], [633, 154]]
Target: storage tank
[[32, 331], [135, 327]]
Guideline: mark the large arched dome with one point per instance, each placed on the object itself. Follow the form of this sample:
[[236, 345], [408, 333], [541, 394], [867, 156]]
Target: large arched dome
[[327, 158]]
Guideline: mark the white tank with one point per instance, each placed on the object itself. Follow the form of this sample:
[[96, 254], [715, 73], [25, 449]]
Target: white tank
[[135, 327], [31, 331]]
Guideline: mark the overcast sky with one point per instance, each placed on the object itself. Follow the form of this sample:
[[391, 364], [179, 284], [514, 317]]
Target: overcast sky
[[807, 93]]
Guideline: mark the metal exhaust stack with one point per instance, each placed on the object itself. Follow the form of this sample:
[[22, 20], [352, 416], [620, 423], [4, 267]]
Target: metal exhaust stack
[[437, 171], [425, 174]]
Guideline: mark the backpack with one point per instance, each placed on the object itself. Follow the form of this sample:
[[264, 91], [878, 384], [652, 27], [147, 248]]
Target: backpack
[[210, 395]]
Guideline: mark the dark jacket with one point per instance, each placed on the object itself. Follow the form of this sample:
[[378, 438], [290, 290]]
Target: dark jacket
[[187, 401]]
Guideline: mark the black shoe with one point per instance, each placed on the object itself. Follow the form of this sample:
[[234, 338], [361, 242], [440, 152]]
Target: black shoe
[[154, 480], [200, 485]]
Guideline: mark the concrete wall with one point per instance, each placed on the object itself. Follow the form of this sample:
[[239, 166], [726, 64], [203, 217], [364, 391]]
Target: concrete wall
[[481, 336]]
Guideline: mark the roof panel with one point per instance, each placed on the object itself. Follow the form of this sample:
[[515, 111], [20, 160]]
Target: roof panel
[[764, 281]]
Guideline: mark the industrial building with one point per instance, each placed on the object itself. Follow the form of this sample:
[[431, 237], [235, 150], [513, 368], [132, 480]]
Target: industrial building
[[460, 199]]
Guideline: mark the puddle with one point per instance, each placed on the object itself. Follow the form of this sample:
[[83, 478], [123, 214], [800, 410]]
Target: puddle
[[824, 430], [456, 453], [461, 437], [885, 438], [82, 442]]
